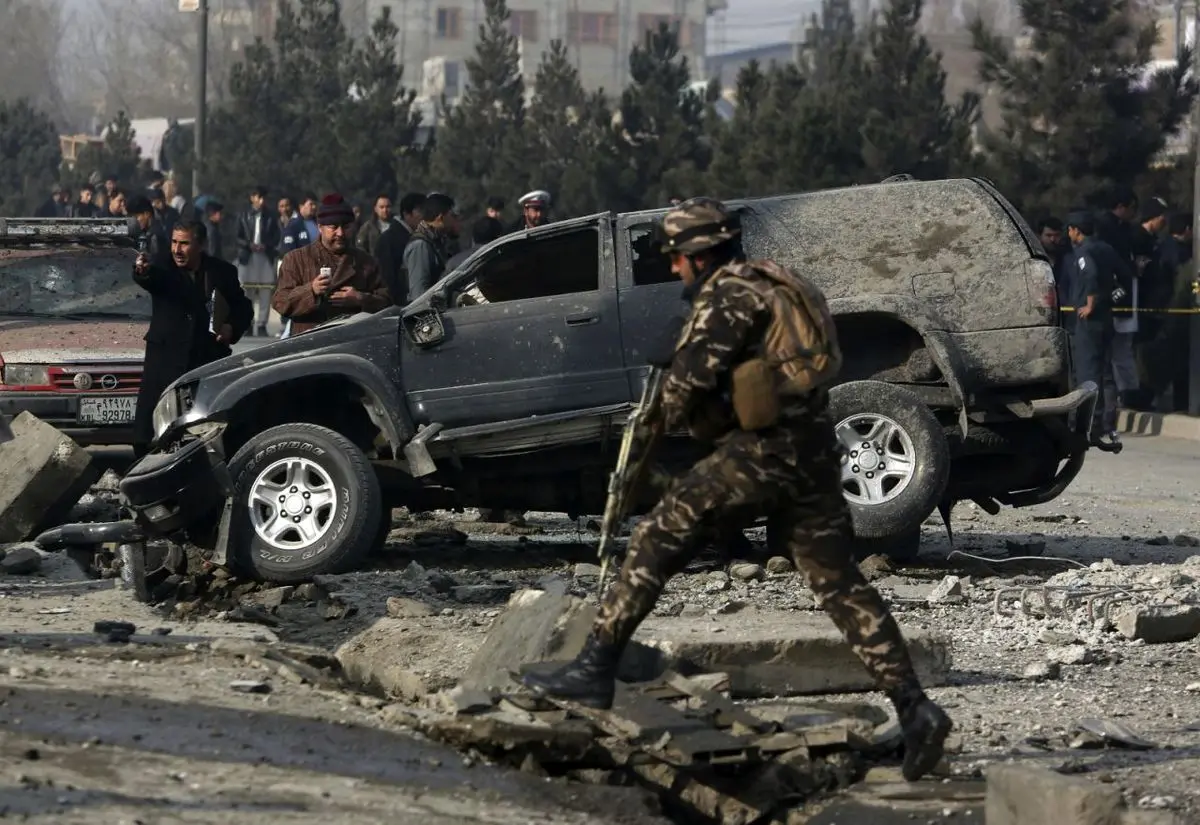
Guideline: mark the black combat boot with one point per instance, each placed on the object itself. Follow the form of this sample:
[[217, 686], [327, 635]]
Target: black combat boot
[[590, 680], [925, 727]]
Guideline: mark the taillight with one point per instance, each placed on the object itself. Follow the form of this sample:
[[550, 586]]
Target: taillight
[[1043, 292]]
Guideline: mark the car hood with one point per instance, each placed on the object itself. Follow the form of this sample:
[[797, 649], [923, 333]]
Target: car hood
[[50, 341], [316, 341]]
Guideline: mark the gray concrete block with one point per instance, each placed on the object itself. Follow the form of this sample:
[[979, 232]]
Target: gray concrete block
[[44, 473], [1159, 624], [1019, 795], [537, 626], [772, 654]]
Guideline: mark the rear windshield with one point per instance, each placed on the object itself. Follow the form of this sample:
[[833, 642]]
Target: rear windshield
[[70, 283]]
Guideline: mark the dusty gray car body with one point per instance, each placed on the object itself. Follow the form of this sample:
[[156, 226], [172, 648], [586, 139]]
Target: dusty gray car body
[[956, 382]]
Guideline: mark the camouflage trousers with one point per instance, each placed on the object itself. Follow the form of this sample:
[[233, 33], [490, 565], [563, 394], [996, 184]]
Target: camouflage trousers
[[793, 478]]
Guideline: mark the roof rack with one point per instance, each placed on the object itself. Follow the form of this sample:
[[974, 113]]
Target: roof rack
[[63, 229]]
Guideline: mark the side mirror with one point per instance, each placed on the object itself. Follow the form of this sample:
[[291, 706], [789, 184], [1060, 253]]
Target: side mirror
[[424, 328]]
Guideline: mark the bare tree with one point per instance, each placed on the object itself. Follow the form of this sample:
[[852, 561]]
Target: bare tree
[[30, 40]]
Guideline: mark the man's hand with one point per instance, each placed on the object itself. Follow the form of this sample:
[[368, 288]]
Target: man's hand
[[346, 296], [257, 247], [320, 284], [225, 334], [141, 264], [1084, 311]]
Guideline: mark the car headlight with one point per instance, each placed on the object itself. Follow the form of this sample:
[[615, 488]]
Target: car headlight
[[25, 375], [165, 411]]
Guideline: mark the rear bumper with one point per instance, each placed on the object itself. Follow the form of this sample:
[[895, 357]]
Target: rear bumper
[[1069, 418], [61, 411]]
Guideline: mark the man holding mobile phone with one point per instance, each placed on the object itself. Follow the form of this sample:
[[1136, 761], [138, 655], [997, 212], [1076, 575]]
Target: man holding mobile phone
[[330, 278]]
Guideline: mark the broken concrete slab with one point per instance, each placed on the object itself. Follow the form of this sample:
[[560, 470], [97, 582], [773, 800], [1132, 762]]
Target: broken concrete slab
[[537, 626], [399, 607], [1019, 795], [20, 560], [45, 474], [771, 654], [1159, 624]]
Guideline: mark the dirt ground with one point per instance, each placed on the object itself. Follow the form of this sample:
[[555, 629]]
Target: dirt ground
[[154, 732]]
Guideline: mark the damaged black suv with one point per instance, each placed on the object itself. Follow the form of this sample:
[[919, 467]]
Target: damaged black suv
[[506, 385]]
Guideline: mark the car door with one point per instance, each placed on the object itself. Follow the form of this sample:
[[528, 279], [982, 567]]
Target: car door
[[547, 341]]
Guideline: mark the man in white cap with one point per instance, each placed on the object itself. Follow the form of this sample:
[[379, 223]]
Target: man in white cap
[[535, 207]]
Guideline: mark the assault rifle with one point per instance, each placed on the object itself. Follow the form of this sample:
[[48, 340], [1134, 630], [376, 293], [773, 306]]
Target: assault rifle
[[644, 426]]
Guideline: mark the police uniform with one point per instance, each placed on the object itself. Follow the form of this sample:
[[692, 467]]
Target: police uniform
[[1092, 266], [788, 472]]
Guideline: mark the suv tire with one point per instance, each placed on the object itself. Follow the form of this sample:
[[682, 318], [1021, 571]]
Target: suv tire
[[278, 477], [896, 497]]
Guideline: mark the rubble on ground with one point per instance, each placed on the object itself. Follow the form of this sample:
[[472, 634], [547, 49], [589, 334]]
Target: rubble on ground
[[44, 475]]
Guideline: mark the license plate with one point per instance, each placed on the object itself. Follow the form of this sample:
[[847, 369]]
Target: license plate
[[118, 409]]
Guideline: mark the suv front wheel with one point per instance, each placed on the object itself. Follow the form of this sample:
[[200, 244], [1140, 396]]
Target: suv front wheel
[[306, 501]]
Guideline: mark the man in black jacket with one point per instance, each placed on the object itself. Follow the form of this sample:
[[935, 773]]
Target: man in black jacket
[[198, 311], [390, 251], [258, 241]]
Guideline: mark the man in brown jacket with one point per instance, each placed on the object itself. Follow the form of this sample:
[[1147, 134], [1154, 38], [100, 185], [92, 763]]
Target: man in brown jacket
[[330, 278]]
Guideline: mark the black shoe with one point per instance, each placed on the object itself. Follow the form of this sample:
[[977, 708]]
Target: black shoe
[[590, 680], [1108, 443], [925, 727]]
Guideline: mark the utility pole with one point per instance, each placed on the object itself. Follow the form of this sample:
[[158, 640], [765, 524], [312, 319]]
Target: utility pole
[[1194, 319], [1178, 28], [202, 92]]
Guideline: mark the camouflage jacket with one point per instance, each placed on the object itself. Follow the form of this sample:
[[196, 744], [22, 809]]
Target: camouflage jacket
[[726, 328]]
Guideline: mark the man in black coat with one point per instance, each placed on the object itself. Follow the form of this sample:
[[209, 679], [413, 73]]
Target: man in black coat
[[198, 311]]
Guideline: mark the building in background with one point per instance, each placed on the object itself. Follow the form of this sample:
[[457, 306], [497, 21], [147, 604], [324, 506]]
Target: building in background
[[437, 36]]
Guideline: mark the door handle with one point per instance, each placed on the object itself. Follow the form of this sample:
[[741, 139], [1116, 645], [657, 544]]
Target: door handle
[[582, 319]]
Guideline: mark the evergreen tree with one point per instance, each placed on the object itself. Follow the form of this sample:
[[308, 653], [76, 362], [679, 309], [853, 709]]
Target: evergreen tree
[[662, 122], [570, 134], [29, 157], [742, 162], [480, 148], [382, 153], [908, 126], [118, 155], [1080, 115]]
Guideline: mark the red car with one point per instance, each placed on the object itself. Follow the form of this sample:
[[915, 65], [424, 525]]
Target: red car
[[72, 323]]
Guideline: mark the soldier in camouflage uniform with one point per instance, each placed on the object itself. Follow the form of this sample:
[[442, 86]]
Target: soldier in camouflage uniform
[[789, 472]]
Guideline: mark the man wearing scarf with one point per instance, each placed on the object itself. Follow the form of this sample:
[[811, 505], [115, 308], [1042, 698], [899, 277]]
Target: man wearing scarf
[[328, 279], [426, 253]]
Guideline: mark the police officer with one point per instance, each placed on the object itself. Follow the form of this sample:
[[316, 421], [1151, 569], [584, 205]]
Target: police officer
[[535, 208], [789, 472], [1093, 280]]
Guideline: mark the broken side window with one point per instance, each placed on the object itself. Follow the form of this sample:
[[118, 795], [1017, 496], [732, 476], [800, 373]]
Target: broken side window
[[538, 267], [650, 265]]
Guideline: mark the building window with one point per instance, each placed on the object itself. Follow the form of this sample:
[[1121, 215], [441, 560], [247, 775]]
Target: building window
[[523, 25], [592, 28], [691, 35], [449, 24]]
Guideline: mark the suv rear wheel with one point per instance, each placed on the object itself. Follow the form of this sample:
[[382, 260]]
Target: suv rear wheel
[[306, 501], [897, 463]]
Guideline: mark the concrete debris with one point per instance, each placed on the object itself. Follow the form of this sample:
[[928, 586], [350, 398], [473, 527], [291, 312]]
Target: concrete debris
[[1074, 655], [584, 570], [44, 474], [537, 626], [948, 590], [463, 700], [1184, 540], [876, 566], [778, 565], [1019, 795], [250, 686], [773, 655], [93, 509], [399, 607], [1042, 671], [1159, 624], [20, 559], [746, 571]]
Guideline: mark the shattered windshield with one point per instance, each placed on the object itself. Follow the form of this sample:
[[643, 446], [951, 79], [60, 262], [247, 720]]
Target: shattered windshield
[[85, 284]]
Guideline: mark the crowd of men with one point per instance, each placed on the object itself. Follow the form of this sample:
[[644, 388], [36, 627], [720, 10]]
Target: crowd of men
[[408, 251], [1123, 272]]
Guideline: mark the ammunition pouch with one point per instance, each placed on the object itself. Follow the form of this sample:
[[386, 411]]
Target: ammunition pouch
[[755, 395]]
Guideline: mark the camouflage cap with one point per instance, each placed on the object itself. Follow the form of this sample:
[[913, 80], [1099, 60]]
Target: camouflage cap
[[698, 224]]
